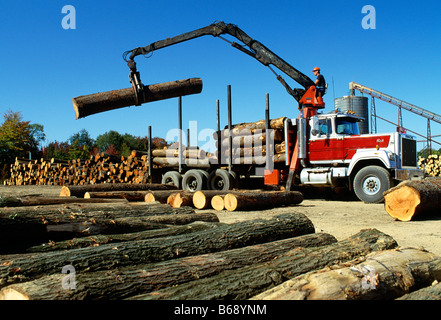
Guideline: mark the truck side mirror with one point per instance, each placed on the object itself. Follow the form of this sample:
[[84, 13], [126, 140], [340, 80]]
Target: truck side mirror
[[315, 127]]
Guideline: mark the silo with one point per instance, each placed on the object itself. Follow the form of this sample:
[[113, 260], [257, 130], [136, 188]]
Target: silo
[[357, 104]]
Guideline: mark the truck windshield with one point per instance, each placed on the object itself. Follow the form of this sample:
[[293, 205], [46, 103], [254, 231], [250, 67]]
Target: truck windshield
[[347, 126]]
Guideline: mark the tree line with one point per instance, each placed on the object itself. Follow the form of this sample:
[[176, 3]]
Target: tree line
[[23, 139]]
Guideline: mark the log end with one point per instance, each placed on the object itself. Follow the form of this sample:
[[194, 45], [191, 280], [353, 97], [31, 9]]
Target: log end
[[217, 203], [65, 192], [76, 108], [11, 294], [199, 200], [402, 203], [149, 197], [230, 202]]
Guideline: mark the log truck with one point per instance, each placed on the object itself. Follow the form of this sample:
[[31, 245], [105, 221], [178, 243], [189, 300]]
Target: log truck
[[322, 149]]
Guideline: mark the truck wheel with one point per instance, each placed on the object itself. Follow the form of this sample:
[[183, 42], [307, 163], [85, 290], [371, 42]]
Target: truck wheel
[[371, 182], [195, 180], [221, 180], [173, 178]]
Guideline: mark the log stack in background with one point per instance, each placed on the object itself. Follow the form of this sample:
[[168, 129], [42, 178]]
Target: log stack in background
[[431, 165], [100, 168]]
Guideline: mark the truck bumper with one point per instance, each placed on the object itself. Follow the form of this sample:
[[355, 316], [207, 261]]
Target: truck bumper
[[409, 174]]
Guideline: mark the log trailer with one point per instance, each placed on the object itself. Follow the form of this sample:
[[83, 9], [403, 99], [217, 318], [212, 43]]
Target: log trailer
[[321, 149]]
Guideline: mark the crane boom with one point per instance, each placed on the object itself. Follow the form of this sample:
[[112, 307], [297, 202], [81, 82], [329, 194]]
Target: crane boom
[[255, 49]]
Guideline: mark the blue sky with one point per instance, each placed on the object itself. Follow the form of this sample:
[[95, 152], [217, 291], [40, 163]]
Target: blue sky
[[44, 66]]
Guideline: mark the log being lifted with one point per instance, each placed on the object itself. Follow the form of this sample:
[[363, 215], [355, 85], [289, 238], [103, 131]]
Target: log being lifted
[[104, 101], [413, 198]]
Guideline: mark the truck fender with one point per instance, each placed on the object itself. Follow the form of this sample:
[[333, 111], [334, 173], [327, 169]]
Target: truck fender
[[370, 155]]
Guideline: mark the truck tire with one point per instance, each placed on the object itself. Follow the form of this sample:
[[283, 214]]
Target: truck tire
[[195, 180], [370, 183], [172, 178], [221, 180]]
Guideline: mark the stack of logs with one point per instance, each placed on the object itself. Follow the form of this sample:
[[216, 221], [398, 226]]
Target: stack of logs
[[99, 168], [119, 250], [431, 165]]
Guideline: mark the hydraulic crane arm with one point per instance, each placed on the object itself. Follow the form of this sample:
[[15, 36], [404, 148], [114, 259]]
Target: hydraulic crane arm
[[255, 49]]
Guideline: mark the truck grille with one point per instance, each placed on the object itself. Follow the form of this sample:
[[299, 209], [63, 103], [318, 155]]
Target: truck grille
[[408, 152]]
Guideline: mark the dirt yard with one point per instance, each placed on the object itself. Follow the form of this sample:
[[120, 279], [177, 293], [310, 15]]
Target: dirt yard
[[339, 217]]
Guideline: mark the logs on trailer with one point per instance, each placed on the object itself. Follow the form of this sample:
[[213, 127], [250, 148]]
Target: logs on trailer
[[254, 200], [25, 267], [246, 282], [104, 101], [375, 279], [431, 165], [130, 281], [411, 199]]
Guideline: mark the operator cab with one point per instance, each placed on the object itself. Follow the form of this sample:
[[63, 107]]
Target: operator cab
[[334, 125]]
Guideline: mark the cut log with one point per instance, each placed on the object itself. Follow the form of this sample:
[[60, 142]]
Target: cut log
[[38, 201], [160, 195], [202, 199], [251, 280], [180, 199], [411, 199], [79, 191], [91, 241], [127, 282], [260, 200], [432, 292], [217, 202], [383, 276], [25, 267], [104, 101], [128, 195]]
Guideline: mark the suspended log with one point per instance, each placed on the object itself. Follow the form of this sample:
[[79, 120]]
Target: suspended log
[[79, 191], [180, 199], [127, 282], [411, 199], [20, 268], [374, 279], [104, 101], [246, 282], [260, 200]]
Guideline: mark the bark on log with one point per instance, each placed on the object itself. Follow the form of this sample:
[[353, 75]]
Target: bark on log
[[260, 200], [374, 279], [180, 199], [128, 195], [251, 280], [38, 201], [110, 100], [91, 241], [20, 268], [79, 191], [259, 125], [432, 292], [411, 199], [127, 282]]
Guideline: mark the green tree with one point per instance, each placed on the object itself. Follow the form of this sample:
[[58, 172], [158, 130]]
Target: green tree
[[83, 139], [18, 138]]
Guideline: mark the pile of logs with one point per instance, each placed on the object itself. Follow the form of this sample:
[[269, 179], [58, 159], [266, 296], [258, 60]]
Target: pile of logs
[[90, 249], [100, 168], [431, 165]]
